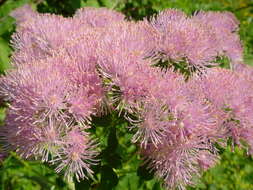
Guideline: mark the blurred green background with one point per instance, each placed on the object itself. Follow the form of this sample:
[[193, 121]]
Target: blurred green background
[[120, 167]]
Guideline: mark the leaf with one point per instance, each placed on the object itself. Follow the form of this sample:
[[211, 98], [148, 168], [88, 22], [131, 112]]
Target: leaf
[[4, 55], [156, 186], [6, 24], [2, 115], [110, 3], [129, 181], [75, 4], [89, 3], [16, 173], [109, 178]]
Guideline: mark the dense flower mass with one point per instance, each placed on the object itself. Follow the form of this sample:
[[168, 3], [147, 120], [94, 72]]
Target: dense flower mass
[[162, 73]]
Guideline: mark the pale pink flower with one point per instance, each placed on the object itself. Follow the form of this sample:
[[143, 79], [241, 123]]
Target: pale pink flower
[[47, 97], [121, 54], [98, 17], [184, 40], [231, 95], [77, 155], [23, 14], [155, 112], [180, 158], [36, 38], [244, 70], [18, 135], [225, 26], [130, 39], [164, 18]]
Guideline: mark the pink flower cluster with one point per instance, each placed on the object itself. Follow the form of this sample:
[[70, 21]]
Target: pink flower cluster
[[66, 70]]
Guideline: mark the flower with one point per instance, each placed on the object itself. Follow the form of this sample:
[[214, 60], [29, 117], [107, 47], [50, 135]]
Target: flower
[[43, 110], [121, 54], [230, 95], [97, 17], [183, 39], [180, 158], [23, 14], [225, 26], [66, 70], [77, 155], [165, 17]]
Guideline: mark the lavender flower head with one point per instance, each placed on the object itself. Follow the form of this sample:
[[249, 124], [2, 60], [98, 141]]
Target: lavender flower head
[[183, 39], [225, 26], [43, 111], [98, 17]]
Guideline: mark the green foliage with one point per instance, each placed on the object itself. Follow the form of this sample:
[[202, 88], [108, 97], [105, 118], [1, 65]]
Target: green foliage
[[4, 55], [234, 172], [120, 167], [17, 174]]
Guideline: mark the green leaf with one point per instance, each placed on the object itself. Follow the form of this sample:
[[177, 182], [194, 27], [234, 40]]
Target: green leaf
[[6, 24], [156, 186], [2, 115], [129, 182], [4, 55], [75, 4], [109, 178], [17, 174], [110, 3], [89, 3]]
